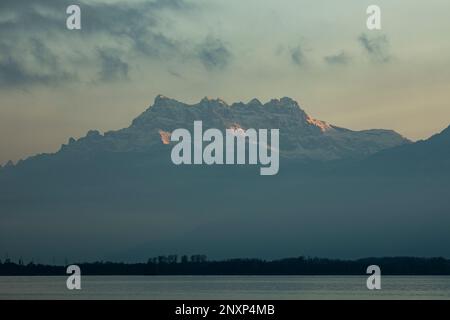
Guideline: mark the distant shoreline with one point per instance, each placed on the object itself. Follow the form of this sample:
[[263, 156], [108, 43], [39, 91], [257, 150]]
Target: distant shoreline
[[199, 265]]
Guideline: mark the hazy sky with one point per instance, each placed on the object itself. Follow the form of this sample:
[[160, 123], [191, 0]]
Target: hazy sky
[[57, 83]]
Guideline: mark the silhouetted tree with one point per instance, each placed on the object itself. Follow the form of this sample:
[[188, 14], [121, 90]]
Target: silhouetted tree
[[198, 265], [162, 259]]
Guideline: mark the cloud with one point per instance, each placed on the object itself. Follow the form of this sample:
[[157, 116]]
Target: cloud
[[35, 65], [214, 54], [376, 47], [13, 73], [112, 66], [137, 24], [173, 4], [341, 58], [297, 56], [174, 73], [37, 49]]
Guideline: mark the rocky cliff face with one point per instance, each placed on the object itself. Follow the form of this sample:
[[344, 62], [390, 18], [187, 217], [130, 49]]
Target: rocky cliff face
[[301, 136]]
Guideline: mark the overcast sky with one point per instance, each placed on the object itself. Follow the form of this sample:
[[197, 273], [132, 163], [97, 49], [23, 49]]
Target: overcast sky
[[57, 83]]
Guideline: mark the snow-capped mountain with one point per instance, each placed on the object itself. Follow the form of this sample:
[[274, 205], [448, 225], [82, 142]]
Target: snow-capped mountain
[[302, 137], [118, 194]]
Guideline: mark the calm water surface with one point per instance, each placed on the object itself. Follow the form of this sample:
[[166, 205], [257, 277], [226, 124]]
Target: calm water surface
[[225, 287]]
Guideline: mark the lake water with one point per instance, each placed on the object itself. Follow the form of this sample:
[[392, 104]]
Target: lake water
[[226, 287]]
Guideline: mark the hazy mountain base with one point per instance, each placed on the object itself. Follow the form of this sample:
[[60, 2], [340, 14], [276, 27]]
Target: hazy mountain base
[[118, 195], [132, 205]]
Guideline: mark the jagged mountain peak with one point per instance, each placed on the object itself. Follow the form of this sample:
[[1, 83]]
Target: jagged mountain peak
[[161, 100], [301, 136], [216, 109], [255, 102], [213, 101], [164, 101], [283, 102]]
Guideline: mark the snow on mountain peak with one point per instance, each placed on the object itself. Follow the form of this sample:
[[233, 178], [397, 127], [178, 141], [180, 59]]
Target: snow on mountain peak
[[318, 123], [301, 136], [165, 136]]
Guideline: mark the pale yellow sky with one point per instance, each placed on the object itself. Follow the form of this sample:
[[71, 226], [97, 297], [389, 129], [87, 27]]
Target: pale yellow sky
[[56, 84]]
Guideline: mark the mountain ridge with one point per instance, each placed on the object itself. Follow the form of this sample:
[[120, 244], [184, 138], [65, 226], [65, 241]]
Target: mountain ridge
[[119, 196], [302, 136]]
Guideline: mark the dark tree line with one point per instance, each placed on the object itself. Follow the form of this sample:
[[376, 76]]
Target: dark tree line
[[199, 265]]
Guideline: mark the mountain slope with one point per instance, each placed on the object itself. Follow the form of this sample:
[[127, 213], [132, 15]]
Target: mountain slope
[[430, 157], [118, 195], [302, 137]]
